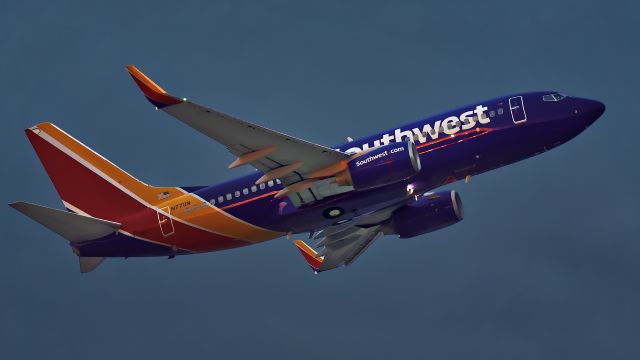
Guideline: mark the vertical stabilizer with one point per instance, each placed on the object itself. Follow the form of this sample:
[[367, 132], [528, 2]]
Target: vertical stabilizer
[[87, 181]]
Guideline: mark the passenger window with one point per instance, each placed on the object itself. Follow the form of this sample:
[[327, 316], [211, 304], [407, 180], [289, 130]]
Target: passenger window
[[212, 201], [278, 181], [254, 188], [204, 204], [492, 113], [500, 111], [245, 191], [229, 197], [195, 207], [262, 186], [220, 199], [187, 210], [237, 193], [270, 183]]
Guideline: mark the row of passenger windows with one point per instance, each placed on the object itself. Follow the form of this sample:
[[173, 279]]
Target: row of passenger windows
[[244, 191], [236, 194]]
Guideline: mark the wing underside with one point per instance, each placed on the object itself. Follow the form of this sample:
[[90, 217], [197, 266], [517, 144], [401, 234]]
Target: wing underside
[[339, 249], [342, 244]]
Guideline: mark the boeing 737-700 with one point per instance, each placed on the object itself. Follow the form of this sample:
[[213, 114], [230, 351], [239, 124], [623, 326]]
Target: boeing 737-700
[[345, 197]]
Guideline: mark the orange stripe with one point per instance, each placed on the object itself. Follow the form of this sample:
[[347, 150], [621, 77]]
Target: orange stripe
[[214, 219], [147, 193], [309, 254], [209, 218], [144, 79]]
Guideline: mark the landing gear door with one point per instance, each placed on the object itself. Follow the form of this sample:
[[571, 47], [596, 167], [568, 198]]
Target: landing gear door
[[516, 104], [165, 222]]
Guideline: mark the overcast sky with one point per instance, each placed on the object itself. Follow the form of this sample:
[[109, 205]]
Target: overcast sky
[[544, 266]]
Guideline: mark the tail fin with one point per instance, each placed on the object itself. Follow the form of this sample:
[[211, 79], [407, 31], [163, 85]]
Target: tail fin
[[71, 226], [89, 183]]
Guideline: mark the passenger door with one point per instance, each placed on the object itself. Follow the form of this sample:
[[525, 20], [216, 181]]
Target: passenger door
[[165, 222], [516, 104]]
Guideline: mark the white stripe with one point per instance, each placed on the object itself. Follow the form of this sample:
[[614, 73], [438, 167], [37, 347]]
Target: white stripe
[[73, 155]]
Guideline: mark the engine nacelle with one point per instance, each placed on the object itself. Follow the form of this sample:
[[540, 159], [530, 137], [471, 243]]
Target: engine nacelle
[[429, 213], [381, 166]]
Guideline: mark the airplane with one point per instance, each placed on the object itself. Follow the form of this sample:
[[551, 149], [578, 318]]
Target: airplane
[[345, 197]]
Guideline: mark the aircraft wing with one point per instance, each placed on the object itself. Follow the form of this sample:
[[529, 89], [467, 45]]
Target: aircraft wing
[[339, 249], [342, 244], [298, 164]]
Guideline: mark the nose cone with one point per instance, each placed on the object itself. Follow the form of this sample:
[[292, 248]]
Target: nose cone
[[590, 110]]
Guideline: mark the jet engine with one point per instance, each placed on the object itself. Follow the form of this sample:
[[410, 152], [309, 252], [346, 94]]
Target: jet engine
[[381, 166], [430, 212]]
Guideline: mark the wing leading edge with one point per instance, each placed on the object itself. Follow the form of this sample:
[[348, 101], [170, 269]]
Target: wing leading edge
[[300, 165]]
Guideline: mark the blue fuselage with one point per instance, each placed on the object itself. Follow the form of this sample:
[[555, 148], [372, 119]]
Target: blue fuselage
[[452, 145]]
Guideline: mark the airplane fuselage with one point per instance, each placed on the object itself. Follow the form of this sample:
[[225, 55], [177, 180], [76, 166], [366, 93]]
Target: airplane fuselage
[[452, 145]]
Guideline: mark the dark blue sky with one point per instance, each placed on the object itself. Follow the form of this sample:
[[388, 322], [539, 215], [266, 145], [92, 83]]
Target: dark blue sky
[[545, 265]]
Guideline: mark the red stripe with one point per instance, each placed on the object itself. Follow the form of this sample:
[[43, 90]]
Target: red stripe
[[86, 190]]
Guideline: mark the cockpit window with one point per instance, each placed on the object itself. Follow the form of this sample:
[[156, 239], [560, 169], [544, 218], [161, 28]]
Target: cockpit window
[[554, 97]]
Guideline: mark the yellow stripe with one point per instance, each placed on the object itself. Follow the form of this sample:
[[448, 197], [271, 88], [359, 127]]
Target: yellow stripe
[[147, 193], [210, 218]]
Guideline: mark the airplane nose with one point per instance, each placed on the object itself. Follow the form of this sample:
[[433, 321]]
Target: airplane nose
[[591, 110], [597, 108]]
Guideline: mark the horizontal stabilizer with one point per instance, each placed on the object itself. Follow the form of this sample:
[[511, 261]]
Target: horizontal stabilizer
[[71, 226], [88, 264]]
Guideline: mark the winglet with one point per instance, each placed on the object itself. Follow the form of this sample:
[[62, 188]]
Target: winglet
[[154, 93], [310, 256]]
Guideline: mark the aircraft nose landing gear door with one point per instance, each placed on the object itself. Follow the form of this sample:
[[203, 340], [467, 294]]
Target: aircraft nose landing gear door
[[516, 104], [166, 223]]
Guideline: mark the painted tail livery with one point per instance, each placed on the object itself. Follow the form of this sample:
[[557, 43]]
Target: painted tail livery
[[380, 184]]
